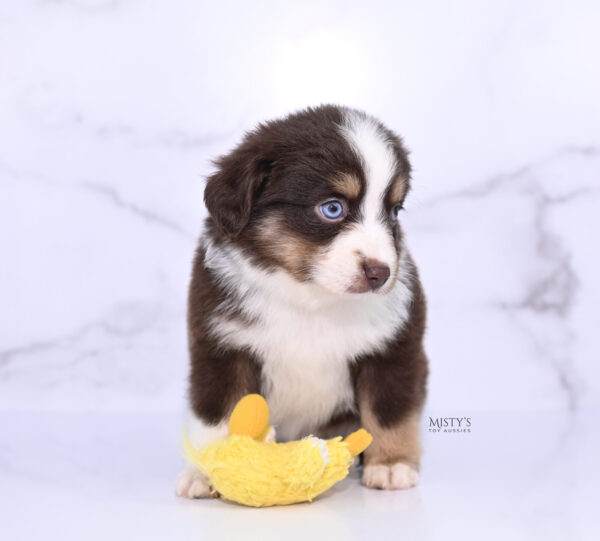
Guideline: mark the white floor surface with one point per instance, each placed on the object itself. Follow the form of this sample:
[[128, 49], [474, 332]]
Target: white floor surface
[[110, 476]]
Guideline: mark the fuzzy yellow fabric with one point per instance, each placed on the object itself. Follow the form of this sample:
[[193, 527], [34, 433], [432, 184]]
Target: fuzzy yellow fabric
[[261, 474], [245, 469]]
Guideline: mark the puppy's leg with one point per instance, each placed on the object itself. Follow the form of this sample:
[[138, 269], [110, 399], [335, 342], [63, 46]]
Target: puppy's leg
[[390, 393], [191, 482], [217, 382], [392, 460]]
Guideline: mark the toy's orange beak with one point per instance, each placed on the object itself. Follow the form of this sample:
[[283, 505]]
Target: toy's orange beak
[[250, 417]]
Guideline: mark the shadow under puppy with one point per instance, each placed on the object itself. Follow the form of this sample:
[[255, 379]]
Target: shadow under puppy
[[303, 291]]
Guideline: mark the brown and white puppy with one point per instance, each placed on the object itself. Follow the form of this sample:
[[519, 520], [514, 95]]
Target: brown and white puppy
[[304, 291]]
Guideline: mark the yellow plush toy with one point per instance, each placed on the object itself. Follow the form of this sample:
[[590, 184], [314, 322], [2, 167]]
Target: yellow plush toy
[[242, 467]]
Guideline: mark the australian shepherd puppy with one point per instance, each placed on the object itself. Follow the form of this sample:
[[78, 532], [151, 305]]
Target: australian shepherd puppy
[[303, 290]]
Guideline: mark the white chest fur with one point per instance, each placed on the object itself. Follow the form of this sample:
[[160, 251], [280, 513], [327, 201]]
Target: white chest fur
[[304, 337]]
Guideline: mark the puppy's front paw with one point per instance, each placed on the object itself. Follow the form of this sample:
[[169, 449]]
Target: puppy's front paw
[[191, 483], [398, 476]]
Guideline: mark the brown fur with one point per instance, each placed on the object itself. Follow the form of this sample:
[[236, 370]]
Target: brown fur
[[219, 376]]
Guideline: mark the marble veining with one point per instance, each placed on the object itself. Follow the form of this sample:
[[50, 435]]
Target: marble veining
[[546, 303]]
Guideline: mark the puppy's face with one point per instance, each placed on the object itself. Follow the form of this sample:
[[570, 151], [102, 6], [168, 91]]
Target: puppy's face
[[316, 194]]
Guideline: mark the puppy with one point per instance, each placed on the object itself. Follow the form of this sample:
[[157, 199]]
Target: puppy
[[304, 291]]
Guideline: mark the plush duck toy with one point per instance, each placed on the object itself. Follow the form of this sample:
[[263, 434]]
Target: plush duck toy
[[246, 469]]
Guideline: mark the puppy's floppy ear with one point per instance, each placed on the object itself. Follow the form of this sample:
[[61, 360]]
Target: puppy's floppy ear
[[231, 191]]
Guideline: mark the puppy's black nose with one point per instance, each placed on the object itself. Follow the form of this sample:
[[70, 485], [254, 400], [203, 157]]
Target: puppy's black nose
[[377, 273]]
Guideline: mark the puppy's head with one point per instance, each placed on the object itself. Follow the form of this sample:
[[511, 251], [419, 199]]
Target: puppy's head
[[316, 194]]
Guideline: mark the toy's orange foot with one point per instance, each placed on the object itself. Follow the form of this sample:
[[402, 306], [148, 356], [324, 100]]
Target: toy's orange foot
[[358, 441], [250, 417]]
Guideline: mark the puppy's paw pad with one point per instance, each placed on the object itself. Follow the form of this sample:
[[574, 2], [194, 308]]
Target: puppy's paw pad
[[192, 484], [398, 476]]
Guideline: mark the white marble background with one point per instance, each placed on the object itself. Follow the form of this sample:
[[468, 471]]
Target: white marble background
[[111, 110]]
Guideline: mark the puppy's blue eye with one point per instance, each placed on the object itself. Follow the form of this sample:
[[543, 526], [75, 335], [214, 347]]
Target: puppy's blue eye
[[395, 210], [332, 210]]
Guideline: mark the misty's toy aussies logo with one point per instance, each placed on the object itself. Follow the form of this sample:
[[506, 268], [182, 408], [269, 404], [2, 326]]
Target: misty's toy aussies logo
[[449, 424]]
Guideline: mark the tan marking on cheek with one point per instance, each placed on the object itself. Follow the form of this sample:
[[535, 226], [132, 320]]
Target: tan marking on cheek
[[399, 443], [290, 251], [397, 190], [348, 185]]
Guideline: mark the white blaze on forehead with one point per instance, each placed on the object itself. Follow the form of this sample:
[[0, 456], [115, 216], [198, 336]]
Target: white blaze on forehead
[[377, 157], [370, 238]]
